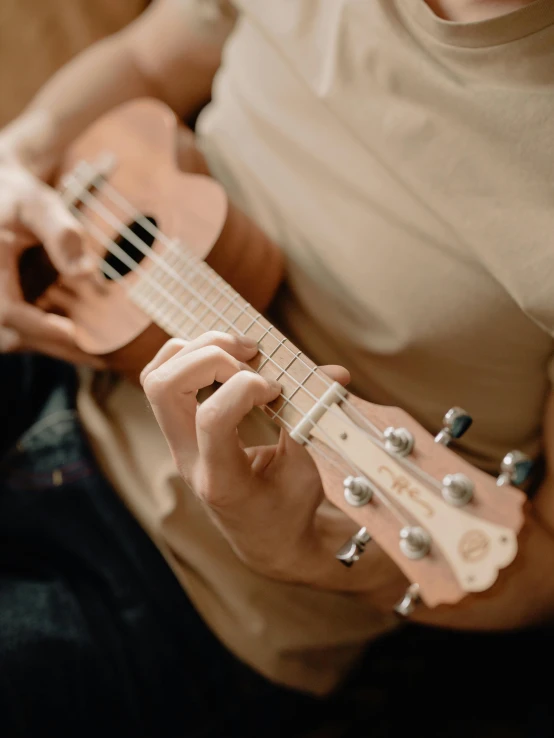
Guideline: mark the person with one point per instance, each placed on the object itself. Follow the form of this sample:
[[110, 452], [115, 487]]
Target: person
[[398, 152]]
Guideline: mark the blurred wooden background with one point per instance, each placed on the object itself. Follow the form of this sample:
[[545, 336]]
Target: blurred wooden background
[[39, 36]]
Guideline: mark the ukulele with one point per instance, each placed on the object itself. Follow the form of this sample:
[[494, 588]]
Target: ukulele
[[171, 255]]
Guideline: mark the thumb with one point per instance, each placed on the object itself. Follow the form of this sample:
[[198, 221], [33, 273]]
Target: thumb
[[44, 214], [337, 373]]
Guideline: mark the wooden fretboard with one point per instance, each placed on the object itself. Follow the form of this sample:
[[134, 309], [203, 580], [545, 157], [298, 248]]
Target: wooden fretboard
[[186, 298]]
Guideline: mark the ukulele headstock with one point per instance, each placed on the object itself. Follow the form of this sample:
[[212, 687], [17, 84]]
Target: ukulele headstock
[[449, 526]]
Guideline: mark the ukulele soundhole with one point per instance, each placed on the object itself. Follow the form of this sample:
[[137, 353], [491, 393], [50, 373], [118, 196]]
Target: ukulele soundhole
[[134, 253]]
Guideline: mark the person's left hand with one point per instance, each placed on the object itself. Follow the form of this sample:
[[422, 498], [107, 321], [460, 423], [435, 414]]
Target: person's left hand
[[263, 499]]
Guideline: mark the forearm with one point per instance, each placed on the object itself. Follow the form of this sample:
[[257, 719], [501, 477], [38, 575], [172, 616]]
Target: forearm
[[65, 106], [161, 55]]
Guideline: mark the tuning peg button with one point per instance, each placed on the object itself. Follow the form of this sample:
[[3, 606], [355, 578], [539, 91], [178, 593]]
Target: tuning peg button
[[354, 547], [398, 441], [408, 603], [516, 467], [457, 489], [415, 542], [456, 422], [357, 491]]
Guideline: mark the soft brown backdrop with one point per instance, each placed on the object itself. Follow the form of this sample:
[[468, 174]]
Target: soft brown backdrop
[[38, 36]]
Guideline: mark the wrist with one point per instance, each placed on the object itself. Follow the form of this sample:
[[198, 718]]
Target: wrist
[[31, 141]]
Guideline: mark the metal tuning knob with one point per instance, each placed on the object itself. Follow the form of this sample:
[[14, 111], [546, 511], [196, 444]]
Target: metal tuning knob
[[353, 548], [456, 422], [398, 441], [408, 603], [357, 491], [516, 467], [457, 489], [414, 542]]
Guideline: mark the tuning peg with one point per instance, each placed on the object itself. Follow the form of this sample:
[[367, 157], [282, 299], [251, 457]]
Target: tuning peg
[[516, 467], [456, 422], [408, 603], [414, 542], [398, 441], [357, 491], [457, 489], [354, 547]]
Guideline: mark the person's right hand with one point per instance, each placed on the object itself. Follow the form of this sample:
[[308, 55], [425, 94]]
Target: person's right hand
[[32, 212]]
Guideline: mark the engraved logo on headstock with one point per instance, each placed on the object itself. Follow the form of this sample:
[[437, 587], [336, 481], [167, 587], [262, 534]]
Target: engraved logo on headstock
[[474, 545], [401, 485]]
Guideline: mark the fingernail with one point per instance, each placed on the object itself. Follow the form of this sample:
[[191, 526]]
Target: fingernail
[[248, 342], [277, 386], [245, 367], [78, 264], [84, 263]]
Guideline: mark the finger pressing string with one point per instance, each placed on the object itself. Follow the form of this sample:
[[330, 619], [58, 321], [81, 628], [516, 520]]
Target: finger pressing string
[[241, 347]]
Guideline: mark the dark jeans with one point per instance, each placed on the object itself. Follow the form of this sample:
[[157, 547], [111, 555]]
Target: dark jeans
[[96, 635]]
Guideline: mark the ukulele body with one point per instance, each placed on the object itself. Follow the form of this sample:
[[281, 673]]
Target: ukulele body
[[157, 169]]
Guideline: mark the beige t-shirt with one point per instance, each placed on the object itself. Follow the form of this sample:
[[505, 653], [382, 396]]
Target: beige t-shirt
[[405, 166]]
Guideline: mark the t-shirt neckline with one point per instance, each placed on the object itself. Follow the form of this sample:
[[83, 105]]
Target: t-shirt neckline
[[493, 32]]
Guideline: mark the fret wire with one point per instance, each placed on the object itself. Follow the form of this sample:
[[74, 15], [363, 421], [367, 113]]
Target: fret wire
[[301, 385], [194, 265], [244, 311], [265, 334], [237, 298], [190, 261], [212, 278], [312, 371], [202, 279], [210, 308], [288, 366], [285, 402], [271, 355], [197, 283], [181, 327], [256, 320], [222, 310]]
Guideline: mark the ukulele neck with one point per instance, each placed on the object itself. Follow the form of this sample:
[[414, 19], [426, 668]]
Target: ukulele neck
[[186, 298]]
